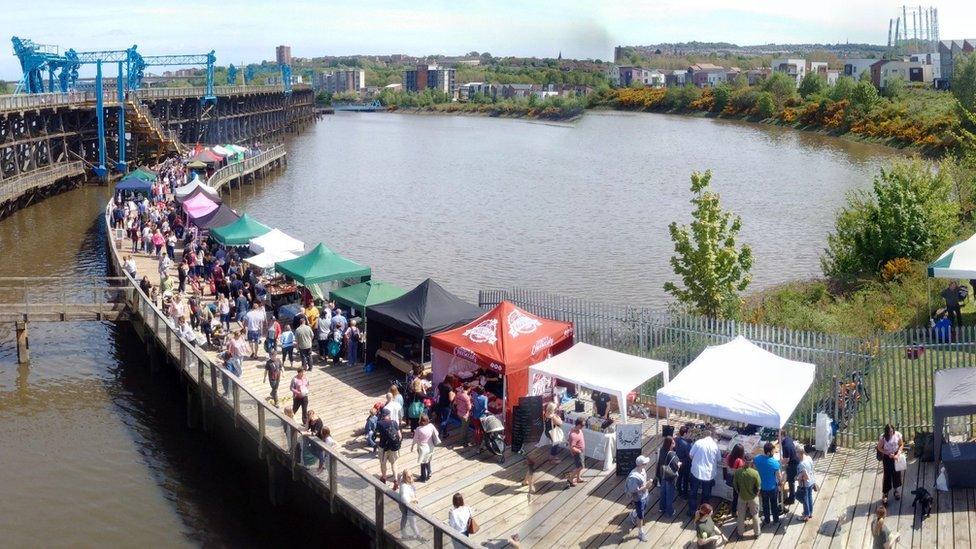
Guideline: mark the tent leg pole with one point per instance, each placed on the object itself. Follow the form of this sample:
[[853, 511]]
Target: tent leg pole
[[928, 298]]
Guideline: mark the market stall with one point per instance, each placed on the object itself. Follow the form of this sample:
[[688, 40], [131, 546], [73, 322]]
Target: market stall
[[955, 395], [365, 295], [240, 232], [267, 260], [199, 205], [740, 382], [958, 262], [133, 184], [144, 174], [194, 188], [321, 270], [399, 328], [223, 215], [505, 341], [602, 370], [276, 240]]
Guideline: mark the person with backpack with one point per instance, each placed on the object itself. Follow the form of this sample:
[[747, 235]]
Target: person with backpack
[[668, 466], [388, 433], [637, 486], [272, 374], [352, 337]]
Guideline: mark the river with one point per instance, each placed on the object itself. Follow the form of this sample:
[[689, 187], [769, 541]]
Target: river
[[93, 448]]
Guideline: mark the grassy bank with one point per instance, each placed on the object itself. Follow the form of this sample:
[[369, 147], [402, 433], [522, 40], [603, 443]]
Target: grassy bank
[[507, 109]]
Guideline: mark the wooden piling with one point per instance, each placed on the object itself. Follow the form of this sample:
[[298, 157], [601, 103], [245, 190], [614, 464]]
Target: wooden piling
[[23, 343]]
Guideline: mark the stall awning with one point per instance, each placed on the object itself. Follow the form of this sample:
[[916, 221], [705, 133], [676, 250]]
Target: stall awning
[[424, 310], [321, 265], [602, 369], [240, 232], [143, 174], [738, 381], [267, 259], [958, 261], [134, 184], [222, 150], [199, 205], [223, 215], [206, 156], [365, 295], [196, 186], [275, 240], [955, 395]]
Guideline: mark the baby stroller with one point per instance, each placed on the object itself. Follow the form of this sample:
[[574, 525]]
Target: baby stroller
[[494, 438]]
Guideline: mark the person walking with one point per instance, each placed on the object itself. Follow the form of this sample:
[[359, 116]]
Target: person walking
[[706, 533], [352, 337], [788, 452], [395, 409], [323, 327], [637, 487], [425, 438], [769, 475], [883, 537], [288, 346], [666, 474], [445, 396], [577, 447], [272, 374], [256, 320], [273, 332], [303, 339], [462, 409], [390, 441], [889, 447], [807, 483], [299, 393], [408, 495], [682, 447], [705, 456], [223, 307], [552, 430], [461, 518], [747, 484]]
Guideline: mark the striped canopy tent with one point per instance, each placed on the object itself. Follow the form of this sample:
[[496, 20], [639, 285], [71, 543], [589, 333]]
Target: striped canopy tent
[[240, 232], [957, 262]]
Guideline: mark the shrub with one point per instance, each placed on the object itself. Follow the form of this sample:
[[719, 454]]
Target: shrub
[[766, 104], [720, 97], [895, 268]]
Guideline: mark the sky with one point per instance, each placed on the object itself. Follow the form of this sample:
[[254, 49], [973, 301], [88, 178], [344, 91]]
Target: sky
[[248, 30]]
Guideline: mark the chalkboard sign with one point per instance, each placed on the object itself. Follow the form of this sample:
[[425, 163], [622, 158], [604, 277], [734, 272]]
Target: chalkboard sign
[[629, 444], [533, 410], [521, 426]]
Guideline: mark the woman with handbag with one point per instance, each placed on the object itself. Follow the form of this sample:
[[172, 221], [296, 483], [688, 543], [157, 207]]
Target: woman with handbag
[[735, 461], [889, 449], [552, 430], [460, 518], [425, 438], [667, 475], [807, 483]]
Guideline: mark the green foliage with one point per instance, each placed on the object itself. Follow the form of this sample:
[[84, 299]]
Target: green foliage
[[811, 85], [964, 82], [895, 88], [712, 267], [323, 98], [766, 104], [864, 96], [721, 95], [911, 213], [843, 89], [781, 86], [680, 97]]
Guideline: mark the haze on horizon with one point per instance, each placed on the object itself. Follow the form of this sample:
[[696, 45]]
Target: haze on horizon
[[248, 30]]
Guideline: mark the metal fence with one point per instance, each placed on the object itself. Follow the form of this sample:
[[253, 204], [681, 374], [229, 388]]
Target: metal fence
[[862, 383], [237, 169], [342, 480], [13, 188]]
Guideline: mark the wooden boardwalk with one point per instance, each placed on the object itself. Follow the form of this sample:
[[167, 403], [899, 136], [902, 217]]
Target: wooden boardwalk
[[592, 514]]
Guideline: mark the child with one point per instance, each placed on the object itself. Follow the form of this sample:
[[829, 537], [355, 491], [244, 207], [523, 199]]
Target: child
[[371, 422]]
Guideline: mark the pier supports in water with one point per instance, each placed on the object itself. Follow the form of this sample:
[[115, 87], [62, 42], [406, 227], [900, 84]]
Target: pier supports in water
[[23, 343]]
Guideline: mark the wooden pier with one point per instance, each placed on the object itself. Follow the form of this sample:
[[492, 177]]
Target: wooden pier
[[590, 515]]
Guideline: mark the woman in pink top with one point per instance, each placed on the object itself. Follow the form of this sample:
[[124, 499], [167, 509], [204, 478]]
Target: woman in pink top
[[462, 408], [577, 445], [299, 392], [424, 439]]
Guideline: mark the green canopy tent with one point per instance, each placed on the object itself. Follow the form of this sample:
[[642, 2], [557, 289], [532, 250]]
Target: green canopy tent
[[240, 232], [366, 294], [143, 174], [321, 266]]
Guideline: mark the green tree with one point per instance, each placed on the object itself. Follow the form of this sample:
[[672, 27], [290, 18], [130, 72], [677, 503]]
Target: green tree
[[910, 213], [712, 267], [864, 96], [895, 88], [812, 84], [781, 86], [766, 104], [721, 95], [964, 82], [843, 89]]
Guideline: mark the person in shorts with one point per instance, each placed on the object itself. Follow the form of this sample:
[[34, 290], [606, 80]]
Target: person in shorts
[[637, 487], [255, 321], [577, 446]]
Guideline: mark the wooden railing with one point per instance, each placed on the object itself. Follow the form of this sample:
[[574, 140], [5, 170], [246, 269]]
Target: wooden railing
[[342, 480], [62, 298], [16, 186], [248, 165]]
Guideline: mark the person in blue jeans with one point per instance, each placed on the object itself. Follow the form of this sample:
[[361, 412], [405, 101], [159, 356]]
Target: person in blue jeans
[[769, 478], [668, 465], [705, 457], [682, 446], [806, 479]]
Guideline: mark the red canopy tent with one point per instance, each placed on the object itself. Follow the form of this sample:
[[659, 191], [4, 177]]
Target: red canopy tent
[[506, 340]]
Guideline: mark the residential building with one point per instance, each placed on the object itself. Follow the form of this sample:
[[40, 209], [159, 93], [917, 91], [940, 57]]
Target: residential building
[[631, 76], [856, 67], [909, 71], [352, 80], [949, 52], [517, 91], [832, 76], [283, 55], [675, 78], [432, 77], [732, 73], [755, 76], [706, 75], [929, 59], [275, 79], [468, 91], [613, 74], [796, 69]]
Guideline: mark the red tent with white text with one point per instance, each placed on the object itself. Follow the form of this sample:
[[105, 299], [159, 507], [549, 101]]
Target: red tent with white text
[[506, 340]]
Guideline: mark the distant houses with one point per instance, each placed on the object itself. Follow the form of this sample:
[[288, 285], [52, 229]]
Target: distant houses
[[949, 52]]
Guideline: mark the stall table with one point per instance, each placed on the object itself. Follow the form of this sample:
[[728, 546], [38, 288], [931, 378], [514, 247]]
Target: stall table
[[598, 444]]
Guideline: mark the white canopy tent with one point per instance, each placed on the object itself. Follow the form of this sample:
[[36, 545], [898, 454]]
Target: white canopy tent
[[267, 259], [185, 190], [601, 369], [738, 381], [958, 261], [222, 151], [275, 240]]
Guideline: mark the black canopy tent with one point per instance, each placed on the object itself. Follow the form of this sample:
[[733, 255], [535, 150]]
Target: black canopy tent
[[223, 215], [955, 395], [424, 310]]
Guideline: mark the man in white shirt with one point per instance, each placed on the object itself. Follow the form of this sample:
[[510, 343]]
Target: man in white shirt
[[256, 321], [395, 408], [705, 457]]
